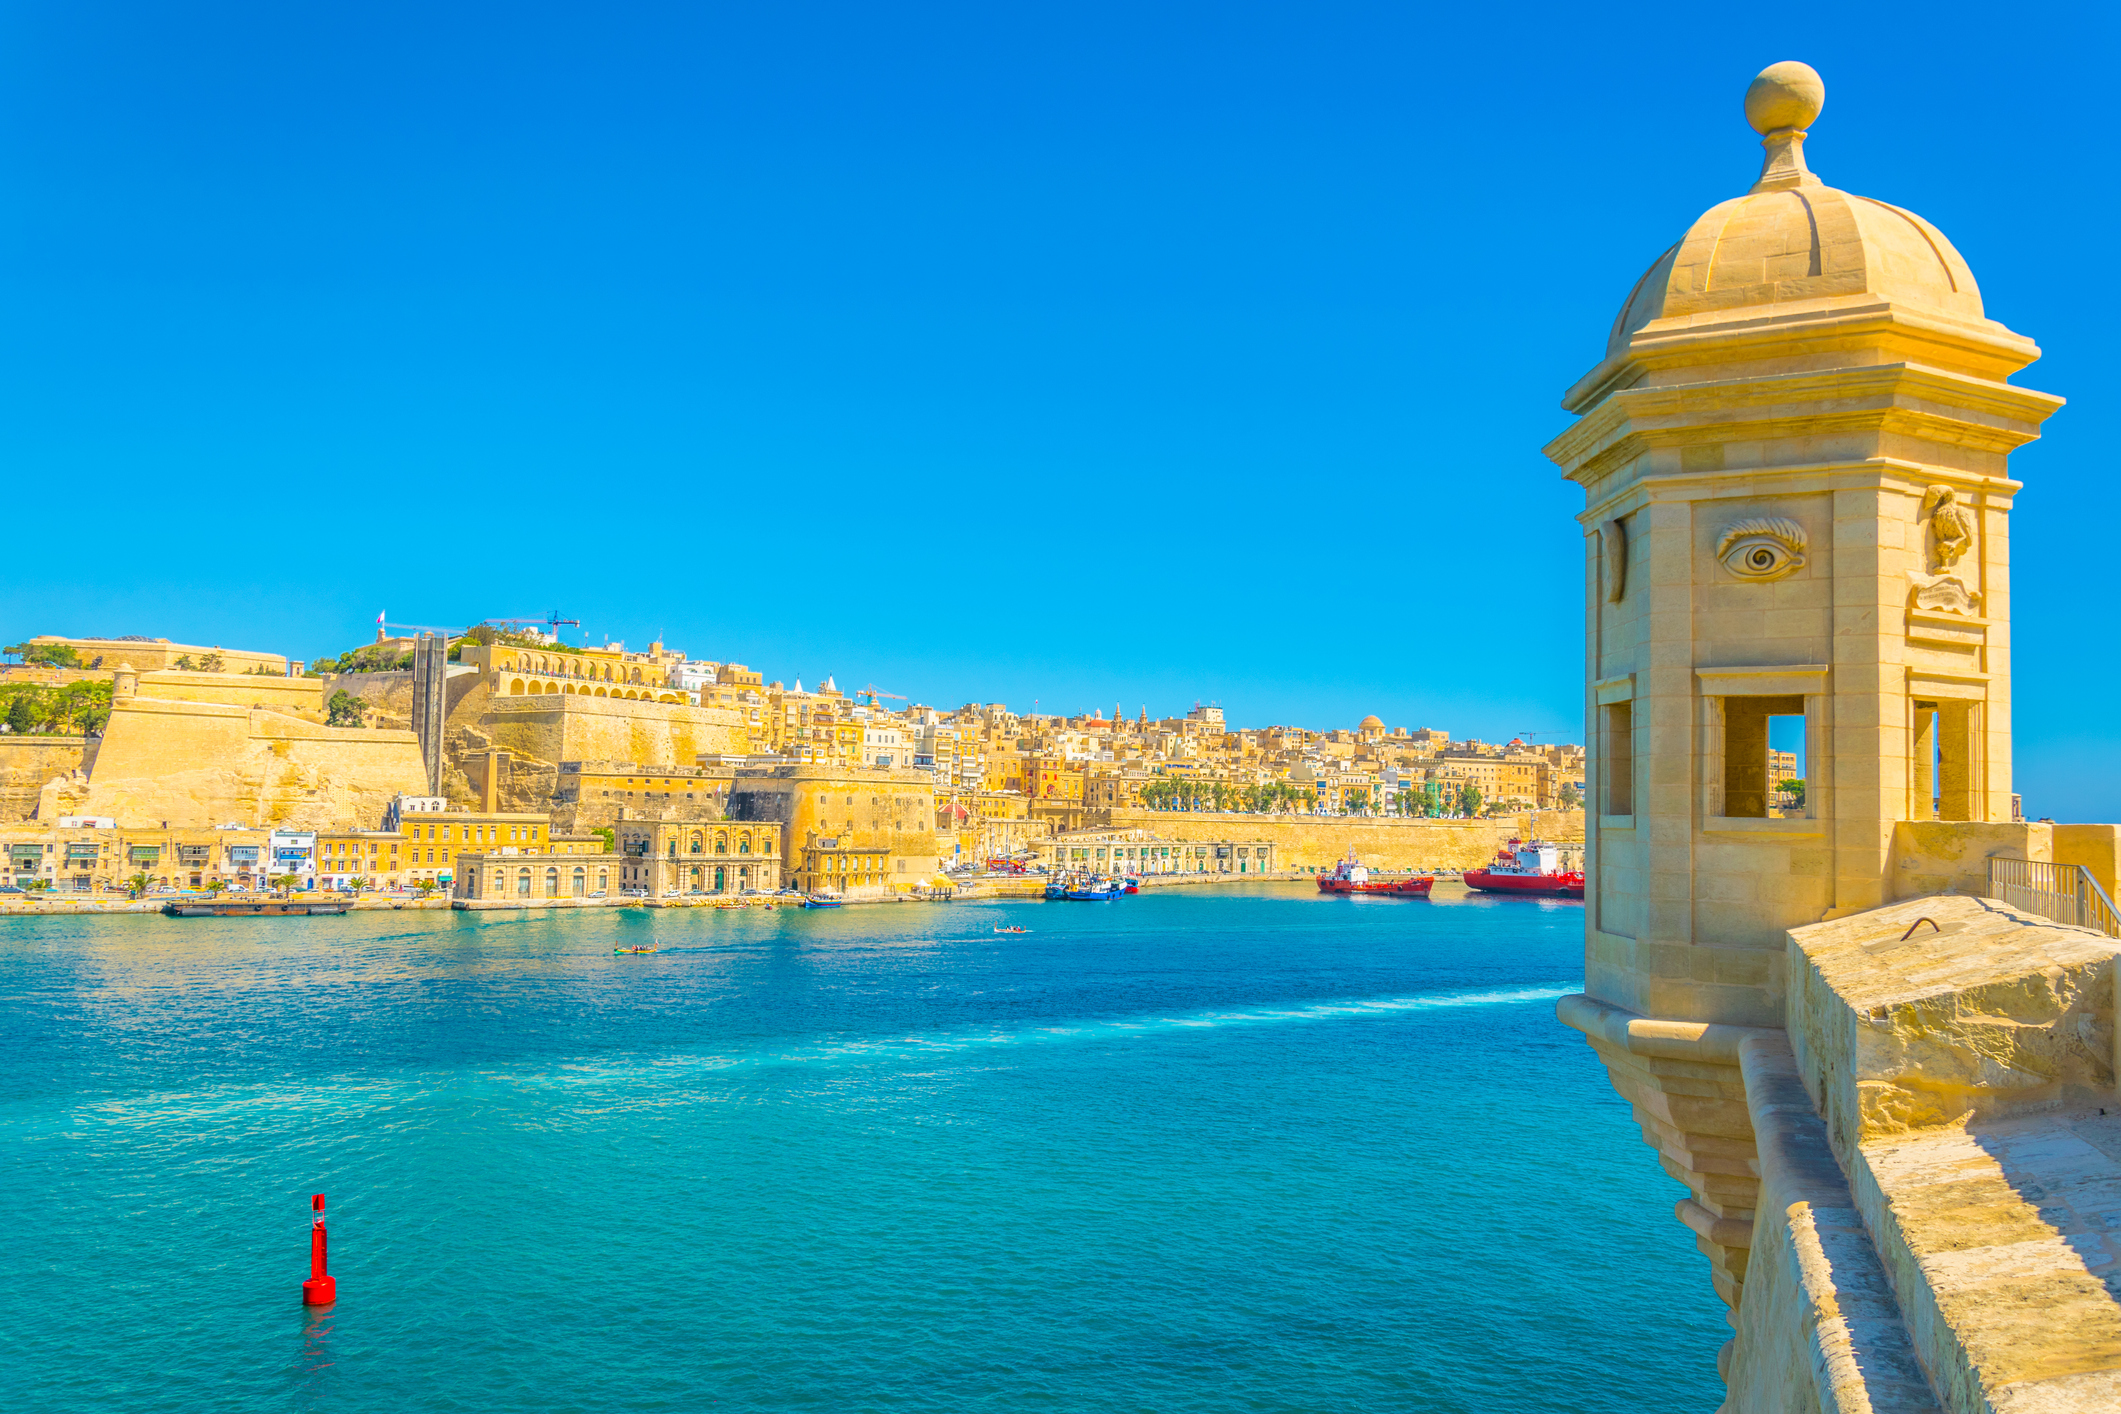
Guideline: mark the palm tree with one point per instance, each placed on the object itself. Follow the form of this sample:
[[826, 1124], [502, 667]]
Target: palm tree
[[139, 884], [425, 886], [217, 886], [285, 883], [356, 884]]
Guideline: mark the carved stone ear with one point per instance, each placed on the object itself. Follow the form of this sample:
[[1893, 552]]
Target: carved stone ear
[[1762, 548], [1613, 538]]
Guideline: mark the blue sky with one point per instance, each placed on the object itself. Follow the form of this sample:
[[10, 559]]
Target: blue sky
[[1080, 354]]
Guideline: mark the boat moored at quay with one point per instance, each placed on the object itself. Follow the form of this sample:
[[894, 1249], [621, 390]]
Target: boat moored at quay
[[1527, 867], [1351, 877], [254, 907]]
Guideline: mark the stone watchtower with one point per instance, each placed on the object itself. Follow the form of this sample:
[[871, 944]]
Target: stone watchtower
[[1797, 528]]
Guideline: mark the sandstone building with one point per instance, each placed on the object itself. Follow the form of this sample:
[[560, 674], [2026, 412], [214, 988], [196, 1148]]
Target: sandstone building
[[1886, 1116]]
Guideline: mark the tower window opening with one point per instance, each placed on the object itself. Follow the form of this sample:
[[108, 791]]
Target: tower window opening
[[1747, 793], [1620, 758]]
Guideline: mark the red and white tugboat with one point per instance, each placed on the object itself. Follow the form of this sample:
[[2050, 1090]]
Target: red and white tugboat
[[1348, 877], [1523, 867]]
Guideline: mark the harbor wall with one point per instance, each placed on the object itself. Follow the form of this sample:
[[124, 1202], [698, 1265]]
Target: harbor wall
[[1305, 842]]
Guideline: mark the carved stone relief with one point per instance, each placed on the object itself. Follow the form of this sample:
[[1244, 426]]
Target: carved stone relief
[[1762, 548], [1948, 533], [1613, 538]]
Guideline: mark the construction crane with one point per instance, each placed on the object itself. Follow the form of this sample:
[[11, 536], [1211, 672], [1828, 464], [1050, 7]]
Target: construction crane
[[876, 692], [552, 621]]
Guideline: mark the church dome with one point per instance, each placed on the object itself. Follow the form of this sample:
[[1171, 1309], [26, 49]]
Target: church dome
[[1371, 724], [1793, 239]]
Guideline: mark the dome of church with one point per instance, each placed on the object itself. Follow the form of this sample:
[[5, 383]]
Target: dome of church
[[1371, 724], [1792, 238]]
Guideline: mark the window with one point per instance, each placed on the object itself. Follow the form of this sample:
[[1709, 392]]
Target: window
[[1619, 746], [1943, 774], [1747, 790]]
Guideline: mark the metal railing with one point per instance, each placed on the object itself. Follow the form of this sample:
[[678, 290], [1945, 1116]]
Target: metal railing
[[2066, 893]]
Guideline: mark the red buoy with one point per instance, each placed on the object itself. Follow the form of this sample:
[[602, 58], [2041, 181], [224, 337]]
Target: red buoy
[[320, 1289]]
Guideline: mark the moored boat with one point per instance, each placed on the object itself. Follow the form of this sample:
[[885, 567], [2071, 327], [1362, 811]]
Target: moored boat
[[1351, 877], [1527, 867], [258, 907], [820, 901]]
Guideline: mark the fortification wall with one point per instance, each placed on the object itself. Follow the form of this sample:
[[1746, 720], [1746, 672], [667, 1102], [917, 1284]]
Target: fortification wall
[[301, 696], [203, 763], [27, 762], [556, 727], [1316, 841]]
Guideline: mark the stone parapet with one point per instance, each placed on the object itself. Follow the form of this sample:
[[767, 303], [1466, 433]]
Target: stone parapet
[[1961, 1055], [1820, 1328]]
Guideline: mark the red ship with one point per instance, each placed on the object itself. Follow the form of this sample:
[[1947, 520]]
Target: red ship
[[1522, 868], [1348, 877]]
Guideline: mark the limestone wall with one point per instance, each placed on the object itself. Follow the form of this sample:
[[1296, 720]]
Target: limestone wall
[[1315, 841], [1963, 1070], [298, 696], [202, 763], [27, 762], [557, 727]]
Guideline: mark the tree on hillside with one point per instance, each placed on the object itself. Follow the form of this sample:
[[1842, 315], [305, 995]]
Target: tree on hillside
[[1469, 800], [212, 663], [47, 655], [1569, 798], [22, 714], [344, 709], [184, 664], [1358, 802]]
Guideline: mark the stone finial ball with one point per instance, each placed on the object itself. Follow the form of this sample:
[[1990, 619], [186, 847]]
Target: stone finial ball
[[1785, 95]]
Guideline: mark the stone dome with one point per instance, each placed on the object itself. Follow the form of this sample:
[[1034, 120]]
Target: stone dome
[[1370, 724], [1794, 239]]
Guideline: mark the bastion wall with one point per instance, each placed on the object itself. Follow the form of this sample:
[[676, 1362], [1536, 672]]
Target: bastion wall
[[1314, 841]]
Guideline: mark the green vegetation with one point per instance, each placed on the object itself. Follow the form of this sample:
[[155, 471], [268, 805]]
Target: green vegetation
[[1569, 798], [139, 884], [285, 882], [611, 837], [370, 658], [345, 710], [424, 887], [1358, 802], [1794, 789], [47, 655], [78, 709], [1469, 799]]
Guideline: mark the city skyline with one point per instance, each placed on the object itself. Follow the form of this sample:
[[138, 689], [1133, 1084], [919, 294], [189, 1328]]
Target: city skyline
[[1197, 354]]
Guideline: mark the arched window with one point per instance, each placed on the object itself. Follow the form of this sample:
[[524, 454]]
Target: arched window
[[603, 880], [721, 844], [500, 882], [552, 883], [522, 883], [698, 847], [581, 882], [743, 846], [515, 687], [721, 879]]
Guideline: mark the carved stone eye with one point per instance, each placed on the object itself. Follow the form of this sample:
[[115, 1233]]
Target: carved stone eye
[[1763, 548]]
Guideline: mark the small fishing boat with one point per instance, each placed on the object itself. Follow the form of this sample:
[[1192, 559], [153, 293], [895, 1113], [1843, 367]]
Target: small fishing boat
[[819, 901], [1012, 930], [630, 952], [1094, 891]]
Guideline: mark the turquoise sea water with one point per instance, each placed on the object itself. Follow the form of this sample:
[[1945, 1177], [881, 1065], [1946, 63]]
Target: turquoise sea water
[[1189, 1151]]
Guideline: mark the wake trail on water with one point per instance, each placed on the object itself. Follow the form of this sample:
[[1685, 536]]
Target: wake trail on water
[[839, 1050], [670, 1071]]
